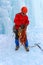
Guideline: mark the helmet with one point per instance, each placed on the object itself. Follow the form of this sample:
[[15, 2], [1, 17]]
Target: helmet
[[24, 9]]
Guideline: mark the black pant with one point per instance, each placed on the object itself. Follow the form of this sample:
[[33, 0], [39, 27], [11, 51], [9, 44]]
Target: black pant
[[16, 34]]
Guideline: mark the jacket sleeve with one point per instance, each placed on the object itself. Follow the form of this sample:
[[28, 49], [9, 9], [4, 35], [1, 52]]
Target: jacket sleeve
[[27, 21], [16, 19]]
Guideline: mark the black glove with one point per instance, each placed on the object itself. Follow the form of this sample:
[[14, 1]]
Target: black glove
[[22, 26]]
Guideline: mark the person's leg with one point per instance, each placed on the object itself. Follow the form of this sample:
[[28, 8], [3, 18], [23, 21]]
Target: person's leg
[[16, 40], [26, 45]]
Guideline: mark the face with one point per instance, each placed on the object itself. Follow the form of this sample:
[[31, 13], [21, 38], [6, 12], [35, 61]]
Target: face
[[23, 13]]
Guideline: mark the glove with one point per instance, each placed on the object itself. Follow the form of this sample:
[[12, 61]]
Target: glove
[[22, 26]]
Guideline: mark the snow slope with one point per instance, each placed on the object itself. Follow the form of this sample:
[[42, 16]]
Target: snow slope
[[8, 55]]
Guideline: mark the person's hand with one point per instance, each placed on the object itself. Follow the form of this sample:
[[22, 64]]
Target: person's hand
[[22, 26]]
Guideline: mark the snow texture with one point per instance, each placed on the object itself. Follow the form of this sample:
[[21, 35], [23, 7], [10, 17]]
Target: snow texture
[[8, 55]]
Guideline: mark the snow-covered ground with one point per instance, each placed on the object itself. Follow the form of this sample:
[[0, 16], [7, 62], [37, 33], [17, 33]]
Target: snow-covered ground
[[8, 55]]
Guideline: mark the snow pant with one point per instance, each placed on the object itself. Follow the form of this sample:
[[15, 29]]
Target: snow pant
[[17, 39]]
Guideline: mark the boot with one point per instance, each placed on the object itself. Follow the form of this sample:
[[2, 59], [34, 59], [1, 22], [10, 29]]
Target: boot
[[17, 47], [27, 49]]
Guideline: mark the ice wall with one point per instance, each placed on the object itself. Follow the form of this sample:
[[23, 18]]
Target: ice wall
[[5, 16], [8, 9]]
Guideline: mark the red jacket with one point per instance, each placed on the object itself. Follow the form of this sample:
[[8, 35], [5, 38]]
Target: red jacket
[[20, 19]]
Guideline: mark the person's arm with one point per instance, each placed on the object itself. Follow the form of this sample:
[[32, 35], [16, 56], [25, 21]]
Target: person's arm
[[16, 19], [27, 21]]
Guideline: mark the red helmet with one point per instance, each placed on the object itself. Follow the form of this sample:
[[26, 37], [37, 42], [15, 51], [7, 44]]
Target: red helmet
[[24, 9]]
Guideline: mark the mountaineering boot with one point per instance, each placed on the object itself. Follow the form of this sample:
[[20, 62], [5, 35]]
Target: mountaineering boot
[[27, 49], [17, 47]]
